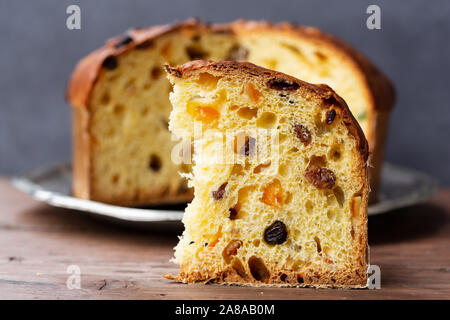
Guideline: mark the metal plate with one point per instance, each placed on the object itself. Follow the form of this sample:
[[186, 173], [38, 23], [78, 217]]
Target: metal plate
[[400, 187]]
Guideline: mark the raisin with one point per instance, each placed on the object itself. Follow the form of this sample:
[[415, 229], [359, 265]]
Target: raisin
[[248, 147], [144, 45], [231, 249], [110, 63], [283, 84], [192, 242], [219, 193], [123, 41], [321, 178], [237, 53], [155, 163], [302, 133], [196, 53], [276, 233], [233, 214], [155, 73], [330, 115]]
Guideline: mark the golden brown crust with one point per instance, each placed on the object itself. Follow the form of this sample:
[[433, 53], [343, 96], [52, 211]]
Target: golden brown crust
[[149, 198], [356, 277], [81, 153], [353, 279]]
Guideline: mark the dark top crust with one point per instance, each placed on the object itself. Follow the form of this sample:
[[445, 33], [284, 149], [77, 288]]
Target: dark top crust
[[88, 69], [284, 82]]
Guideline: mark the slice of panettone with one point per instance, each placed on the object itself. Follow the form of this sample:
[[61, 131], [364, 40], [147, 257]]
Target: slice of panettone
[[280, 179]]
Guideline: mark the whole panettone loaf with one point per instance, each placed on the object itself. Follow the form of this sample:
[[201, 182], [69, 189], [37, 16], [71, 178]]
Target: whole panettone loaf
[[280, 179], [120, 99]]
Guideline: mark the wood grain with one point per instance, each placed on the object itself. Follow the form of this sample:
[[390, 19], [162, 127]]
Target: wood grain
[[39, 242]]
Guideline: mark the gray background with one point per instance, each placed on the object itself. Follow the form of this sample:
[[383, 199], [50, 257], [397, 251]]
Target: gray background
[[38, 54]]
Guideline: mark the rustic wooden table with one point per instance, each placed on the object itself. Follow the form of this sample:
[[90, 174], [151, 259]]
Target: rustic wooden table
[[39, 242]]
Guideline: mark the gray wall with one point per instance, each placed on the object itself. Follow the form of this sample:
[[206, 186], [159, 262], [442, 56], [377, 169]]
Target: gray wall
[[38, 53]]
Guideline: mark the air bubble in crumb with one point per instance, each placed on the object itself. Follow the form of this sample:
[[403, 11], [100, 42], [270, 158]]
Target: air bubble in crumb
[[208, 80], [247, 113], [283, 169], [318, 246], [267, 120], [339, 195], [237, 170], [309, 206], [258, 269], [331, 214], [335, 153], [237, 265]]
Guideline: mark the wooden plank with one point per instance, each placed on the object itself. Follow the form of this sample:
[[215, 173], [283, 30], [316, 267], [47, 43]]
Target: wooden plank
[[39, 242]]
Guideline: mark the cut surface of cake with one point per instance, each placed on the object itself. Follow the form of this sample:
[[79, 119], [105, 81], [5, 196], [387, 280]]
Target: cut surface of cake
[[280, 179], [120, 98]]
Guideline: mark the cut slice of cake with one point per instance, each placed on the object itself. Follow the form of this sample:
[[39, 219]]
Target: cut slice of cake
[[120, 99], [279, 176]]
